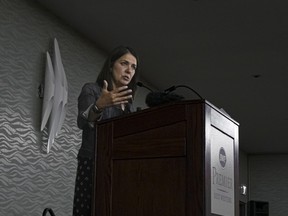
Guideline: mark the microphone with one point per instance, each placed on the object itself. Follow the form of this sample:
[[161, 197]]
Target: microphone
[[159, 98], [156, 98], [173, 88], [140, 84]]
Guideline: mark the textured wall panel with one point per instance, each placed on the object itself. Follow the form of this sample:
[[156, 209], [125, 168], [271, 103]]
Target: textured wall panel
[[269, 181], [30, 179]]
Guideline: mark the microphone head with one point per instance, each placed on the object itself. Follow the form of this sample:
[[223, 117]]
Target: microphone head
[[140, 84], [159, 98]]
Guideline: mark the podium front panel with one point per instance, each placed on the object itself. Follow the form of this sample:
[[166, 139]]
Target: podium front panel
[[158, 161]]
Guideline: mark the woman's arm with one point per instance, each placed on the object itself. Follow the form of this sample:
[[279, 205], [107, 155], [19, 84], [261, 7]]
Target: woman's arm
[[86, 100]]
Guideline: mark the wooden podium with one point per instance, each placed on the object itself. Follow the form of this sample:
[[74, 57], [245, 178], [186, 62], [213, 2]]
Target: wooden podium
[[179, 159]]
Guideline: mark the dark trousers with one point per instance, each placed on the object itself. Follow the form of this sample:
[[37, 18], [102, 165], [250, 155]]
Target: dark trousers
[[83, 187]]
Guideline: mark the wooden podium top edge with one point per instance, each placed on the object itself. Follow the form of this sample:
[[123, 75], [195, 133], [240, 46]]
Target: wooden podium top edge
[[165, 106]]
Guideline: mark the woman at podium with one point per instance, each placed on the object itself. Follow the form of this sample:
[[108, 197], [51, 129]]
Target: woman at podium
[[110, 96]]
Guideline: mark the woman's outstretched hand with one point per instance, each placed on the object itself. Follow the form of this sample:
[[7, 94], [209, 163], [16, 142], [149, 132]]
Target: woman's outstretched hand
[[116, 96]]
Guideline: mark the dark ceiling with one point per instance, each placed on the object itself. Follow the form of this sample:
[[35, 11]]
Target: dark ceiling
[[234, 53]]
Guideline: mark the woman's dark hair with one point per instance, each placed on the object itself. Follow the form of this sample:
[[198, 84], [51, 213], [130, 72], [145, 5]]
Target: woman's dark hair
[[106, 72]]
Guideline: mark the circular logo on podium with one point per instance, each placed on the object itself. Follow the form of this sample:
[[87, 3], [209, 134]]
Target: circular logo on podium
[[222, 157]]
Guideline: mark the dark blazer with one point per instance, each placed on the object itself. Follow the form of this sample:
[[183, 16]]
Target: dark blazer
[[89, 94]]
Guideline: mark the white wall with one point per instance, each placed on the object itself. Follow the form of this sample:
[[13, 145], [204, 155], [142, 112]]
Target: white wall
[[269, 181]]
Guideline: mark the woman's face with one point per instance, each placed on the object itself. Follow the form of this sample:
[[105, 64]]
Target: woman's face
[[123, 70]]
